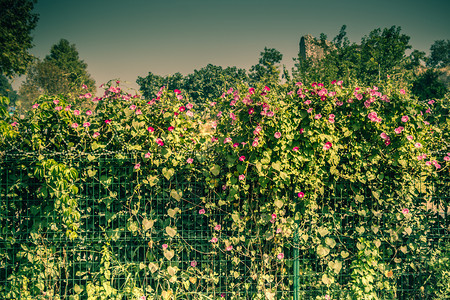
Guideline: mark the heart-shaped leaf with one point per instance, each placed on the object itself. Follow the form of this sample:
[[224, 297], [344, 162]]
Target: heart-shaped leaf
[[169, 254], [171, 231]]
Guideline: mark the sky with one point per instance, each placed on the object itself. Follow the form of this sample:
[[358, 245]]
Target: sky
[[122, 40]]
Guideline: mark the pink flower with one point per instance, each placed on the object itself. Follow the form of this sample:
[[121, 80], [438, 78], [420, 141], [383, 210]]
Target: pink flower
[[171, 128], [307, 102], [387, 142], [398, 130], [301, 130], [159, 142], [280, 256], [327, 146], [83, 86], [151, 129], [214, 240], [405, 119], [36, 105], [405, 211], [138, 112], [182, 108], [201, 211], [266, 89], [107, 121], [58, 108], [137, 166], [229, 248], [165, 246], [251, 111], [410, 137], [180, 97], [74, 125], [14, 124], [447, 158], [309, 110], [402, 91], [301, 194], [251, 91], [213, 103], [318, 116], [176, 91], [255, 142], [96, 134], [214, 139], [384, 136], [279, 230], [193, 263], [189, 113], [189, 106], [277, 135], [147, 155], [232, 116], [86, 124], [331, 120], [133, 107], [56, 102], [242, 158], [89, 112], [331, 116], [418, 145], [76, 112], [217, 227], [227, 140], [295, 149], [190, 160], [241, 177]]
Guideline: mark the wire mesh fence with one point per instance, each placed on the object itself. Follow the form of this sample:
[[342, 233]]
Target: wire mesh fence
[[124, 242]]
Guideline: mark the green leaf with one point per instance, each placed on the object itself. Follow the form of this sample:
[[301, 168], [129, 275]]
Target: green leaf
[[171, 231], [176, 195], [322, 251], [276, 165], [335, 265], [330, 242], [168, 173], [215, 170], [278, 203], [147, 224], [169, 254]]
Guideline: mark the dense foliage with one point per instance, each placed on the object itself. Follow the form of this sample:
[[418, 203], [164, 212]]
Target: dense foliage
[[341, 184]]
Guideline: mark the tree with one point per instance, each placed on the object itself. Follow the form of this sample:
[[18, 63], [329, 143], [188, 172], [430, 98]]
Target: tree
[[267, 70], [65, 56], [428, 86], [16, 23], [150, 85], [7, 90], [439, 54]]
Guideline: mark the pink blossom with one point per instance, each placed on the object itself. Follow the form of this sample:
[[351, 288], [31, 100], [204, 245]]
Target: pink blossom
[[266, 89], [76, 112], [159, 142], [133, 107], [89, 112], [189, 113], [138, 112], [255, 142], [229, 248], [107, 121], [418, 145], [251, 91], [402, 91], [280, 256], [447, 158], [251, 110], [150, 129], [359, 96], [83, 86], [86, 124], [331, 120], [410, 137], [339, 103], [331, 116], [212, 103], [307, 102], [96, 134], [56, 102], [165, 246], [387, 142], [277, 135], [189, 106], [270, 113], [14, 124], [214, 240], [279, 230], [193, 263], [217, 227], [227, 140], [180, 97], [327, 146], [176, 91], [309, 110], [36, 105], [74, 125], [428, 111], [301, 130], [58, 108], [318, 116], [301, 194], [170, 128], [384, 136], [201, 211], [114, 89], [242, 158], [214, 139], [67, 108], [190, 160], [405, 119], [295, 149], [398, 130], [232, 116], [241, 177], [137, 166], [405, 211], [147, 155]]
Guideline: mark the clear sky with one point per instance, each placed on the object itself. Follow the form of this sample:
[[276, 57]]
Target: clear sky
[[128, 38]]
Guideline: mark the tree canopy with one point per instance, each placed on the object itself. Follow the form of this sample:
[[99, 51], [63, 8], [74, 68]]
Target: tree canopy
[[439, 54], [16, 23]]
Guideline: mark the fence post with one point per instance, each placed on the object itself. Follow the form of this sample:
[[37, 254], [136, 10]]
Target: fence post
[[296, 265]]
